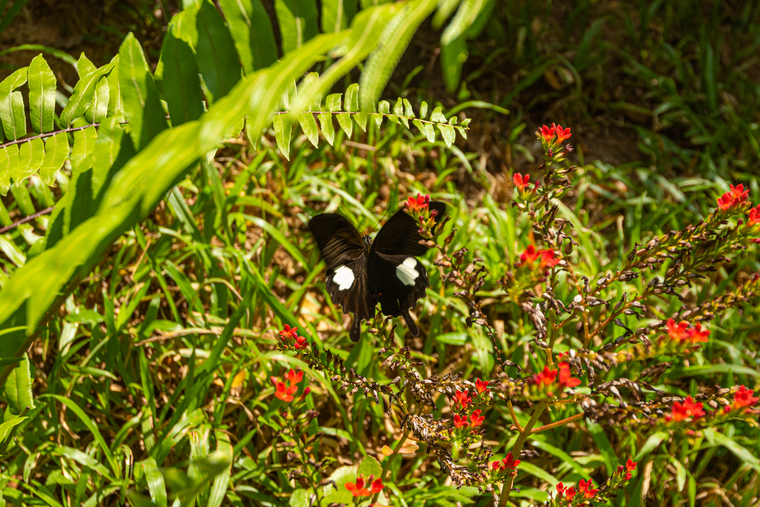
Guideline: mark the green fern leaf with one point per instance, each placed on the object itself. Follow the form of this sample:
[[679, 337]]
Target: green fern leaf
[[8, 164], [82, 96], [325, 121], [98, 109], [344, 120], [437, 115], [309, 126], [180, 79], [398, 110], [30, 159], [84, 144], [462, 132], [42, 86], [56, 151], [297, 20], [408, 109], [396, 36], [141, 103], [252, 32], [448, 134], [12, 105], [428, 131], [114, 103], [423, 110], [464, 18], [215, 52], [352, 97], [84, 66], [445, 8], [282, 131]]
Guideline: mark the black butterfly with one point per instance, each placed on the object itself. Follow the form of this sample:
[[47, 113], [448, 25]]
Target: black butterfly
[[361, 273]]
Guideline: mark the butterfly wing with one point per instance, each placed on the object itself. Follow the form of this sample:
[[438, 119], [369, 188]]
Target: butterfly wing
[[347, 283], [337, 238], [400, 235], [397, 282]]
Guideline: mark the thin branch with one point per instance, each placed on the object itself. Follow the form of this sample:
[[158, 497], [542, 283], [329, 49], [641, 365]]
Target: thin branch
[[27, 219], [48, 134], [558, 423]]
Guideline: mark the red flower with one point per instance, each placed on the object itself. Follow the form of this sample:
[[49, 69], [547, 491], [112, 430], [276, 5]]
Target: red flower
[[630, 465], [628, 476], [697, 334], [562, 134], [686, 410], [460, 422], [283, 392], [568, 492], [754, 216], [480, 386], [737, 195], [521, 181], [743, 398], [530, 254], [358, 489], [547, 132], [547, 258], [291, 333], [546, 377], [565, 377], [678, 332], [586, 488], [293, 377], [418, 204], [463, 399], [508, 463], [476, 419]]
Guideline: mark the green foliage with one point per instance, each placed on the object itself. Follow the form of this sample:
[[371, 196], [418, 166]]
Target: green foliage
[[141, 332]]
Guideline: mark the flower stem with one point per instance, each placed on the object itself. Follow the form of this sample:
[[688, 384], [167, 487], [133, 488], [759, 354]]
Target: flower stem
[[514, 416], [558, 423], [524, 434], [389, 459]]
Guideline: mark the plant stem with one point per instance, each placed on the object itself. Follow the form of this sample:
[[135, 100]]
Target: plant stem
[[390, 459], [558, 423], [514, 416], [524, 434]]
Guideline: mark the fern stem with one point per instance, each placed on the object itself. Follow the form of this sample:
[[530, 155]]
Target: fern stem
[[48, 134], [26, 219]]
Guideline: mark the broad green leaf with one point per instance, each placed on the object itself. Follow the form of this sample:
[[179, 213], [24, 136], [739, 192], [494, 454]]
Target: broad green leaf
[[445, 9], [56, 151], [729, 443], [215, 52], [336, 14], [155, 480], [181, 85], [652, 442], [18, 388], [83, 95], [252, 32], [31, 155], [448, 134], [604, 445], [12, 105], [85, 66], [112, 150], [6, 427], [14, 254], [344, 120], [42, 86], [309, 126], [297, 20], [114, 93], [282, 131], [352, 98], [396, 36], [141, 103]]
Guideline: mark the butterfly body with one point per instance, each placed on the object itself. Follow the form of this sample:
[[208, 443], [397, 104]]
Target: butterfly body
[[362, 273]]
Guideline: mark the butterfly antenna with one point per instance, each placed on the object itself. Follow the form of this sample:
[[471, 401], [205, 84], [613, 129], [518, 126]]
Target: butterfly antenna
[[378, 222]]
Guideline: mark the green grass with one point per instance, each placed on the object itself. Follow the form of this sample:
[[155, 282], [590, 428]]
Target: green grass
[[153, 379]]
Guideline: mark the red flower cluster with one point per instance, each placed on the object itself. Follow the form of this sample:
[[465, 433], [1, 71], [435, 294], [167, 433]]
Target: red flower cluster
[[419, 204], [475, 420], [546, 257], [682, 333], [630, 466], [480, 386], [522, 183], [463, 398], [742, 398], [291, 333], [286, 392], [567, 493], [685, 410], [586, 488], [358, 488], [508, 463], [547, 133], [548, 377], [737, 195]]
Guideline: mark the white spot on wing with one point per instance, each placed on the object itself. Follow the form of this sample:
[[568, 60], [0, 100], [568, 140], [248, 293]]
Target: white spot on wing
[[344, 277], [406, 272]]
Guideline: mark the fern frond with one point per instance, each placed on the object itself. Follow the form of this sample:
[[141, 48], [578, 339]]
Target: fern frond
[[320, 117]]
